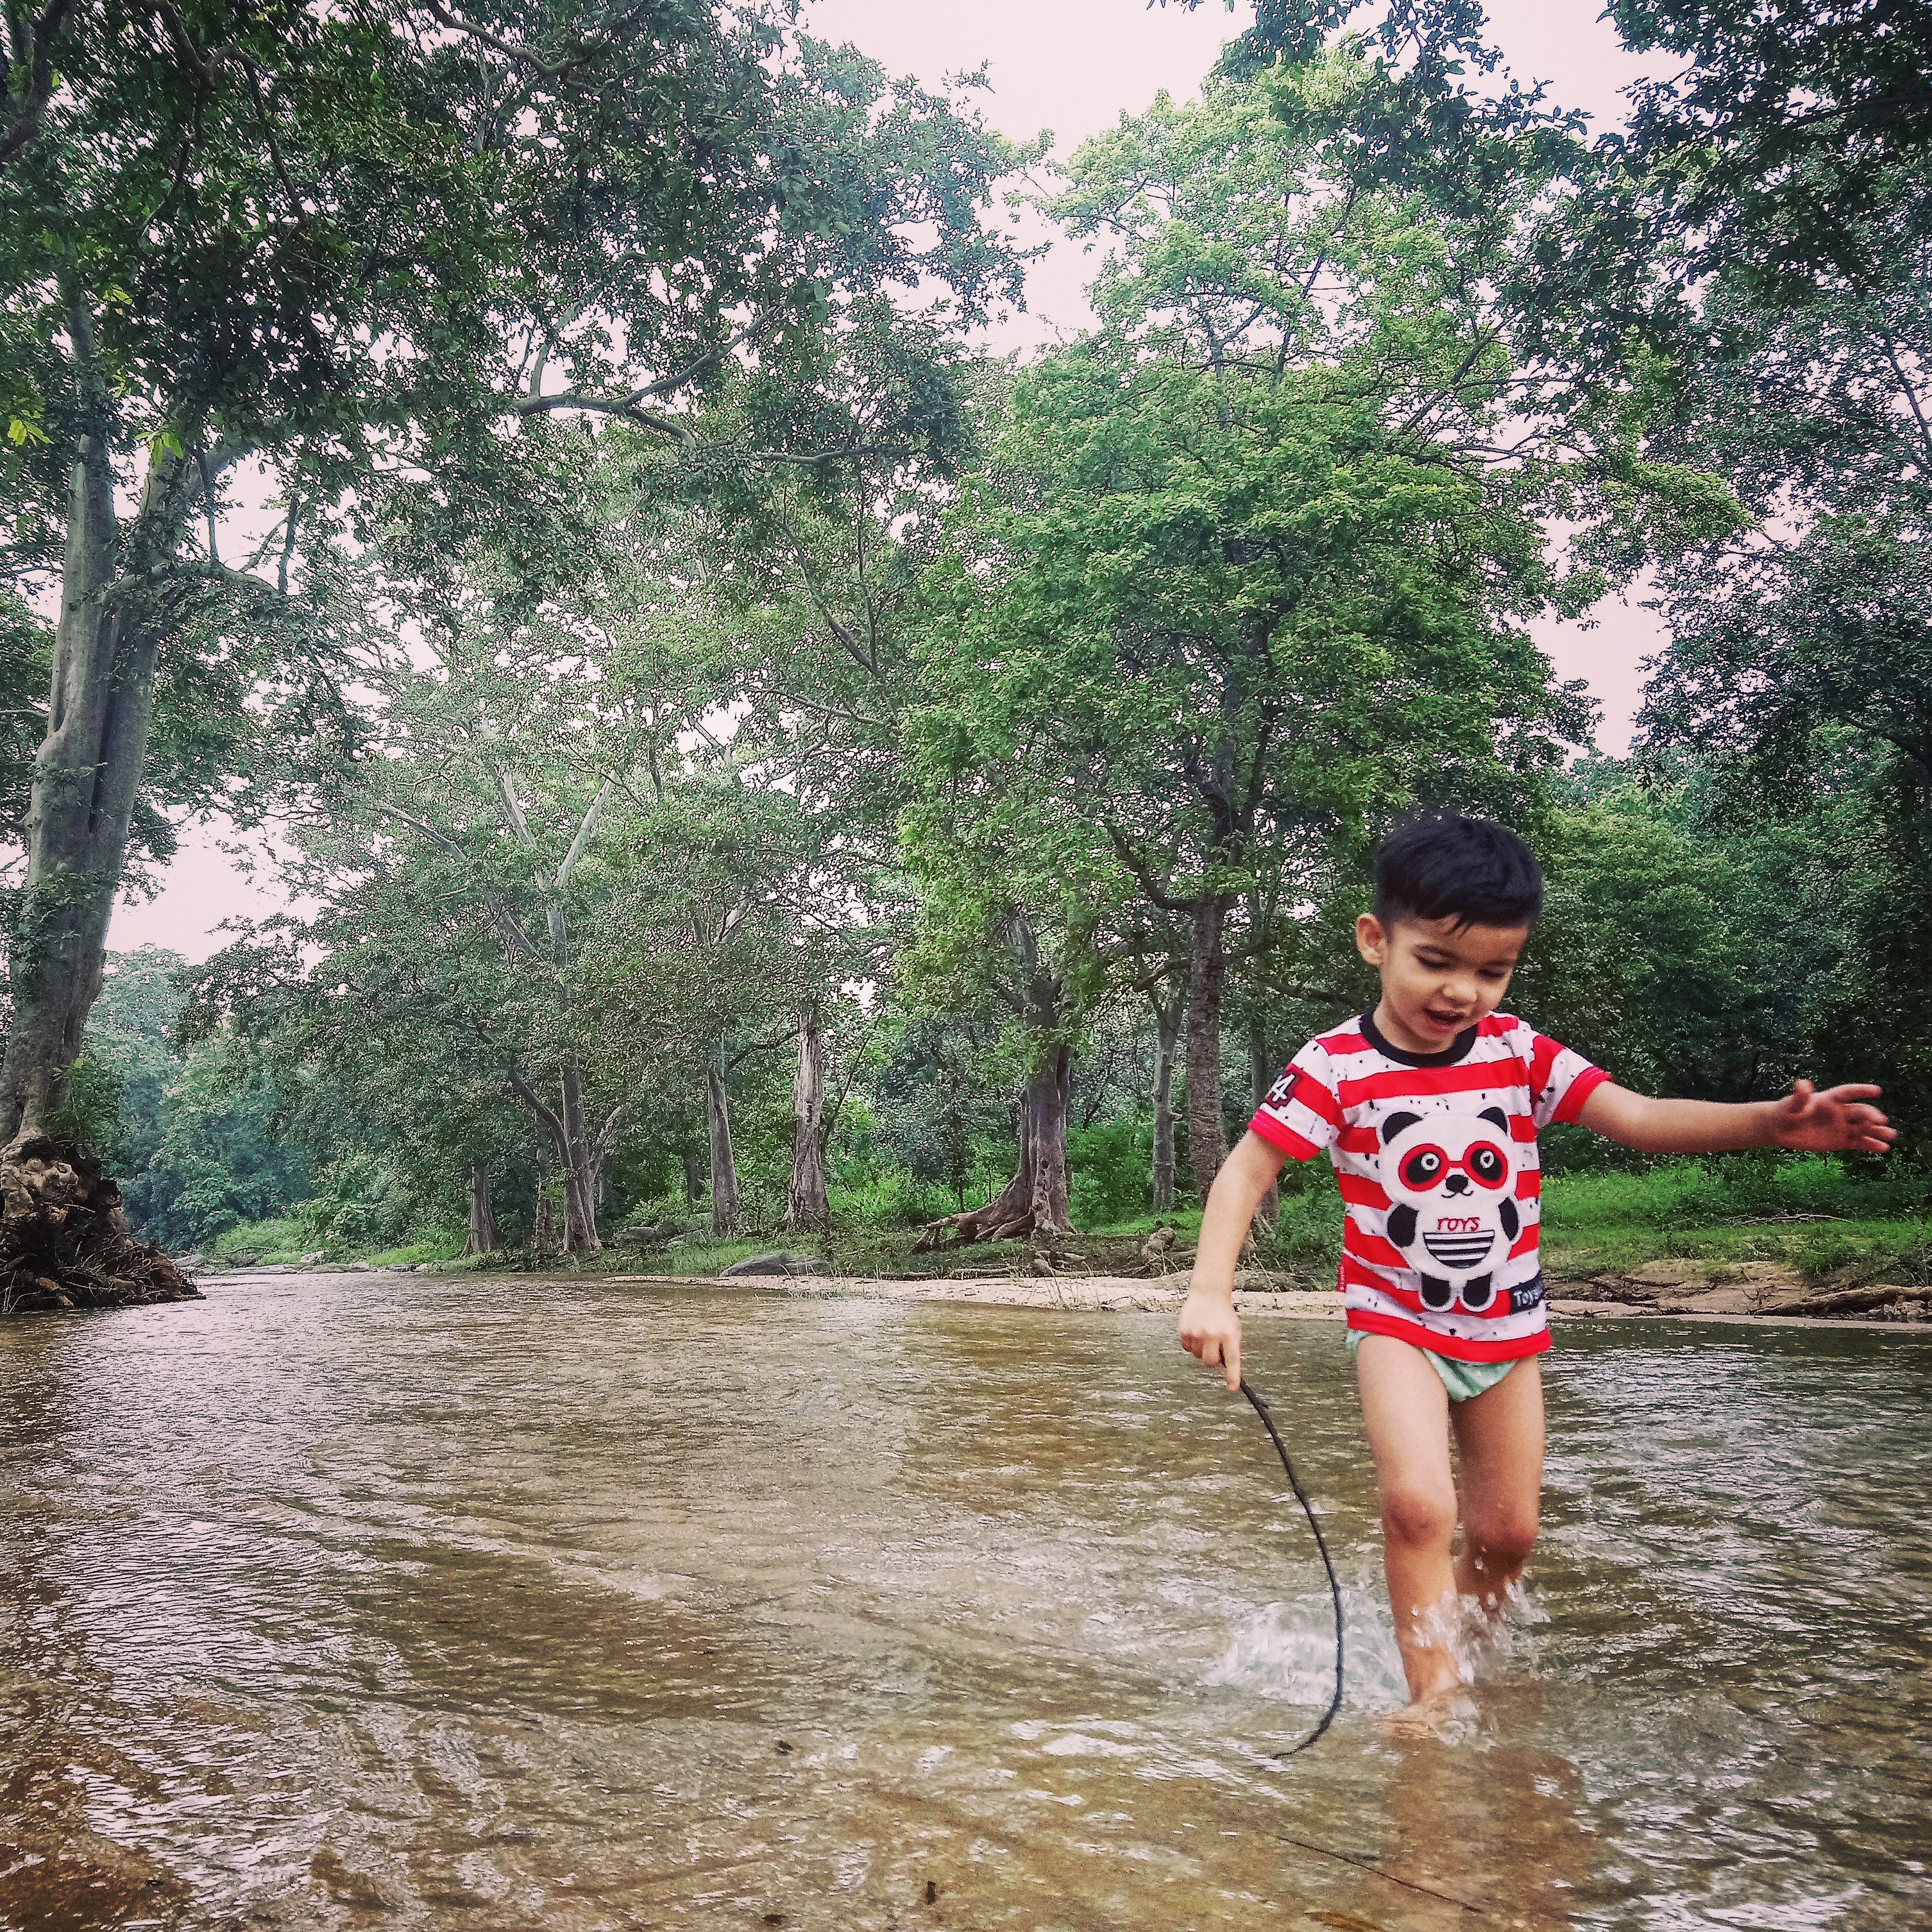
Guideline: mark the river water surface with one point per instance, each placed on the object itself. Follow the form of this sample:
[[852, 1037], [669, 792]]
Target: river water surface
[[398, 1601]]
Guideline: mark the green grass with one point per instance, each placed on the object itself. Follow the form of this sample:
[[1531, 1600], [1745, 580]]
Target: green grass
[[256, 1243], [438, 1248], [1825, 1221]]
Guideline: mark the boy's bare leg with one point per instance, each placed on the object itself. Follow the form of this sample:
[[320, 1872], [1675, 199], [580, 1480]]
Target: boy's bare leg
[[1500, 1435], [1406, 1409]]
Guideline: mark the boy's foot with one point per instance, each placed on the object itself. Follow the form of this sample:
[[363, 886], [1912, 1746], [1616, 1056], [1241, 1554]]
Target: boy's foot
[[1427, 1718]]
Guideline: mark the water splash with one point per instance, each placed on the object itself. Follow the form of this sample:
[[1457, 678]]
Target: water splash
[[1285, 1652]]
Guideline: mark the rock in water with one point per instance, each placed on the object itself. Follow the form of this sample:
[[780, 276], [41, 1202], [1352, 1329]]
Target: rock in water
[[65, 1241], [772, 1264]]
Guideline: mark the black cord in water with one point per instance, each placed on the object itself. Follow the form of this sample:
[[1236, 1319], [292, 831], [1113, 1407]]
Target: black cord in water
[[1320, 1544]]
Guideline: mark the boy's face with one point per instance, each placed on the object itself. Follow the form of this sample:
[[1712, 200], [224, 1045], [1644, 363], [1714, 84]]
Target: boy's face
[[1439, 978]]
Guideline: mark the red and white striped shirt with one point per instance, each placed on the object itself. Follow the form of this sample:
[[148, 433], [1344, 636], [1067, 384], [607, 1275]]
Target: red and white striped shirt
[[1440, 1186]]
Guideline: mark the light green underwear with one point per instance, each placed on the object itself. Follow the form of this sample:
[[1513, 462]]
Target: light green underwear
[[1461, 1379]]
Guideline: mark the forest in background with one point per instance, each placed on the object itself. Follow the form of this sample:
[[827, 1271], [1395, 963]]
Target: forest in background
[[840, 783]]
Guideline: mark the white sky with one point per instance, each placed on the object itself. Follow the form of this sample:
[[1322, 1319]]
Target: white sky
[[1072, 66]]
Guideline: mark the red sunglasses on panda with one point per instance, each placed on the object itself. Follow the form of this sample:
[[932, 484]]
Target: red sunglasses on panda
[[1426, 1167]]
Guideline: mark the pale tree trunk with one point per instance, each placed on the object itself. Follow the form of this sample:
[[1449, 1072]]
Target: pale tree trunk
[[1035, 1201], [1206, 971], [63, 1236], [807, 1209], [543, 1222], [87, 775], [1167, 1013], [723, 1165], [1261, 1072], [484, 1238], [577, 1157], [580, 1180]]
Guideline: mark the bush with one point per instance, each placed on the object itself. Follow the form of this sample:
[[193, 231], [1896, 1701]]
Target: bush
[[888, 1197], [364, 1204], [1111, 1166]]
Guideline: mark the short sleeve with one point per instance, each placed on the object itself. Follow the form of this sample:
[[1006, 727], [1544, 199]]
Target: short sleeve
[[1560, 1081], [1300, 1113]]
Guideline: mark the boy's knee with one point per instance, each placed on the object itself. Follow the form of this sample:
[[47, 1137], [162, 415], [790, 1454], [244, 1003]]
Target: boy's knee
[[1419, 1515], [1502, 1542]]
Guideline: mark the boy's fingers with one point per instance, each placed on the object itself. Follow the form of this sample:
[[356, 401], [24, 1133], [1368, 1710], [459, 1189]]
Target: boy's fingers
[[1232, 1354]]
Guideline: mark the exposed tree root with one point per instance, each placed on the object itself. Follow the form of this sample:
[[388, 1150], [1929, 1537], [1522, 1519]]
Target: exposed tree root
[[1008, 1216], [1032, 1206], [64, 1241]]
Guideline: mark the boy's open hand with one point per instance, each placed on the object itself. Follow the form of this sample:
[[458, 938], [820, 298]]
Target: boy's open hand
[[1836, 1121], [1211, 1329]]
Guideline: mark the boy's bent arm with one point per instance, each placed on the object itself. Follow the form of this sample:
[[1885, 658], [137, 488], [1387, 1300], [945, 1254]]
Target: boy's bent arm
[[1839, 1120], [1209, 1326]]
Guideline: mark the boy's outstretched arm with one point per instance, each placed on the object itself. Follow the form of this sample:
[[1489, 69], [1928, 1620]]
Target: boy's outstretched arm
[[1209, 1326], [1839, 1120]]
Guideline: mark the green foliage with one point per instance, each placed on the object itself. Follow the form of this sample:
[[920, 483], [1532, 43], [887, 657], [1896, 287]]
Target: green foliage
[[1112, 1181], [361, 1203], [1732, 1187], [254, 1244], [833, 675], [92, 1108], [195, 1134]]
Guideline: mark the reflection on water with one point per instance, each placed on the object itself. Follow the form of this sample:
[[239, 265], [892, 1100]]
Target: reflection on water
[[341, 1603]]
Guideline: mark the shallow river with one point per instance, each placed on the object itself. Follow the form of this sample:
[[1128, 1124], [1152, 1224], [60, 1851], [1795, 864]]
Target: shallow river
[[366, 1602]]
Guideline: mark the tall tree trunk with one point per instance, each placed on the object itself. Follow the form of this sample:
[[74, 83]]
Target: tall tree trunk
[[562, 1126], [1035, 1201], [807, 1210], [543, 1220], [86, 777], [1261, 1072], [580, 1179], [1048, 1098], [1206, 972], [484, 1238], [1167, 1013], [723, 1165]]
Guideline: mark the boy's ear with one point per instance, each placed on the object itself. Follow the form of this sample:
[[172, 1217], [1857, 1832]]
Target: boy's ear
[[1397, 1123], [1371, 939]]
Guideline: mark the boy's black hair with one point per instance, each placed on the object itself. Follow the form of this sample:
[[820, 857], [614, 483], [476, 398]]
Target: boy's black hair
[[1440, 865]]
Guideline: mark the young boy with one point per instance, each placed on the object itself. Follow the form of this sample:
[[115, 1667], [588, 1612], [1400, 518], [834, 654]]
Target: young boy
[[1428, 1107]]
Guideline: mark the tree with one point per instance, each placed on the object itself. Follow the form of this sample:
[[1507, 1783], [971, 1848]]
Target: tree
[[330, 243], [1247, 571], [1785, 139]]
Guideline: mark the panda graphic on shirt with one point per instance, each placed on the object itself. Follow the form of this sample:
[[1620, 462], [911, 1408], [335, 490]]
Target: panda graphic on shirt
[[1450, 1180]]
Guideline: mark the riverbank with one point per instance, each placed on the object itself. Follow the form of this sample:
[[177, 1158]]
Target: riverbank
[[1099, 1294], [1757, 1304]]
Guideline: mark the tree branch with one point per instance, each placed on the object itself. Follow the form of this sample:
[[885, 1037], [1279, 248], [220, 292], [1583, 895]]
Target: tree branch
[[33, 61], [574, 857], [528, 1095], [523, 56]]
